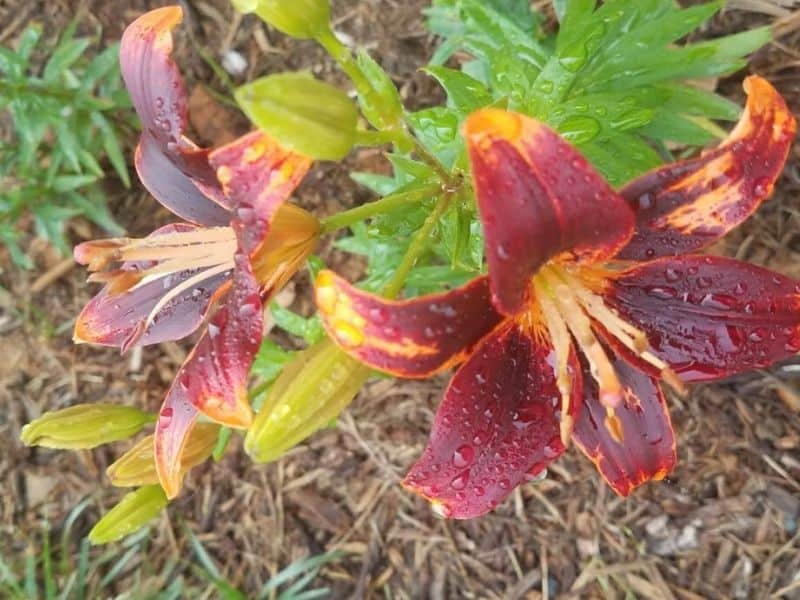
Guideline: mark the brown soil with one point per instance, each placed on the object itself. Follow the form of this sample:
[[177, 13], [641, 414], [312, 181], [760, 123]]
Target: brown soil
[[724, 525]]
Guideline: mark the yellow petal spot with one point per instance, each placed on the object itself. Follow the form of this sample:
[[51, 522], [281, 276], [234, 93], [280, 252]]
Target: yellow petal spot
[[614, 426], [256, 150], [326, 293], [347, 334], [224, 174]]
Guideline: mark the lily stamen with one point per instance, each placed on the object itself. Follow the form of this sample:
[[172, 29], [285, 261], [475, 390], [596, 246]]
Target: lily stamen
[[581, 328], [559, 336]]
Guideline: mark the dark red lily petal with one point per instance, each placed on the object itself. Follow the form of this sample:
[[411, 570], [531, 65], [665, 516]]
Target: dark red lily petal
[[175, 423], [159, 97], [710, 317], [152, 78], [118, 320], [173, 188], [214, 376], [538, 198], [688, 205], [408, 338], [647, 449], [496, 426], [257, 176]]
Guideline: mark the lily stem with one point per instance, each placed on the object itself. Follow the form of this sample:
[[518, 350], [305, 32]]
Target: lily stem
[[400, 134], [378, 207], [417, 247]]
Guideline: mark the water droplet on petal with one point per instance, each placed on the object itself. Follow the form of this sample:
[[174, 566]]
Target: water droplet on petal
[[463, 456]]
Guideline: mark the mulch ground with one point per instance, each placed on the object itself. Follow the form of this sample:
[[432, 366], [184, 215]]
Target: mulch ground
[[724, 525]]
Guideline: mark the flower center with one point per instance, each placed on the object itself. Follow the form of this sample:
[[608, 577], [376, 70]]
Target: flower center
[[569, 306]]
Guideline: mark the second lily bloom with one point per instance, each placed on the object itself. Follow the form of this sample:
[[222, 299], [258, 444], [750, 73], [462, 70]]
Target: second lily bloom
[[239, 243], [592, 297]]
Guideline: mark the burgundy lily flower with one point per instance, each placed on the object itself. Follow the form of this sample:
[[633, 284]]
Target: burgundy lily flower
[[591, 299], [238, 245]]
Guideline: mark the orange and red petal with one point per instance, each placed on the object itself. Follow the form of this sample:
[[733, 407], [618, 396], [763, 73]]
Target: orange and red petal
[[497, 426], [176, 419], [214, 376], [408, 338], [257, 176], [538, 198], [688, 205], [710, 317], [120, 320], [646, 449], [166, 159]]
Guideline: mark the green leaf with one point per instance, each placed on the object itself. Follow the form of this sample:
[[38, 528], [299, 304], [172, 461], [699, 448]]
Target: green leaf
[[28, 40], [383, 108], [103, 65], [63, 58], [310, 329], [67, 183], [464, 93], [112, 147], [269, 361]]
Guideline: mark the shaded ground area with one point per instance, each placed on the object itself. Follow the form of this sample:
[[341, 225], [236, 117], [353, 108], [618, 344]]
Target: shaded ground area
[[724, 525]]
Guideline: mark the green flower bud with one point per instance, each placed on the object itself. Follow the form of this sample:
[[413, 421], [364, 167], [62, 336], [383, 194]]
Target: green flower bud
[[138, 466], [133, 512], [303, 114], [298, 18], [313, 389], [85, 426]]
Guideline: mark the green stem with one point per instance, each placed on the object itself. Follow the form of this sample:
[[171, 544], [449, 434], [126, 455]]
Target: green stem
[[416, 247], [341, 55], [400, 134], [375, 138], [378, 207]]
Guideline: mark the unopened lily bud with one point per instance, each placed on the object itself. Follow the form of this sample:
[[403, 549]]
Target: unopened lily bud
[[85, 426], [304, 115], [298, 18], [310, 393], [133, 512], [138, 467]]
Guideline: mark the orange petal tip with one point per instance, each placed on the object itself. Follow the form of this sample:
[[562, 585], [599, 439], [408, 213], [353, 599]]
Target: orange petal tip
[[494, 122]]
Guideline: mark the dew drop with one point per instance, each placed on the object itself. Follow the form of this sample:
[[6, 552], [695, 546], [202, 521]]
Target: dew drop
[[460, 481], [661, 292], [378, 315], [463, 456], [761, 187]]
